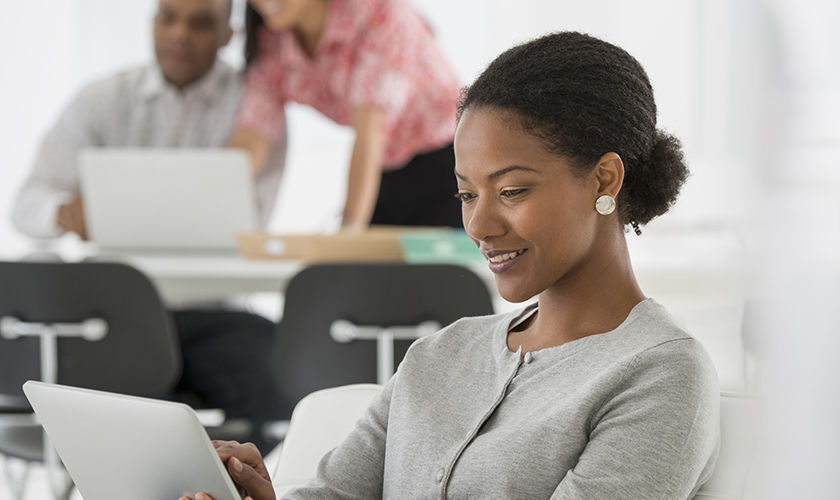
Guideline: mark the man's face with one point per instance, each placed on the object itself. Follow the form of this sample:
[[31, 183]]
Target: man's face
[[188, 33]]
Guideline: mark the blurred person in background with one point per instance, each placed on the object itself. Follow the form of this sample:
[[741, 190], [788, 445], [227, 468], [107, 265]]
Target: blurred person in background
[[188, 97], [372, 65]]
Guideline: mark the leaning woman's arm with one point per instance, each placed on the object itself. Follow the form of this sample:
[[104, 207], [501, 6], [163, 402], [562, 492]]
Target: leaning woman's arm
[[254, 143], [365, 166], [657, 436]]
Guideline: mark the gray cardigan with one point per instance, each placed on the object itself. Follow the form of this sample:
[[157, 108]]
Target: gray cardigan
[[628, 414]]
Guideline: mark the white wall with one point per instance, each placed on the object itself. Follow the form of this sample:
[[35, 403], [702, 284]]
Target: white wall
[[800, 285]]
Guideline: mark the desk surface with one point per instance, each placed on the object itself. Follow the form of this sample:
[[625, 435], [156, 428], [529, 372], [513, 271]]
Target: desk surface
[[184, 277]]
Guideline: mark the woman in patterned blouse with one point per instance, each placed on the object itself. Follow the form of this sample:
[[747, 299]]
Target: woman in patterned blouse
[[372, 65]]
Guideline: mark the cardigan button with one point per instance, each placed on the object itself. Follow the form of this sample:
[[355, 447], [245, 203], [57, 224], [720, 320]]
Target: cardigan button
[[439, 475]]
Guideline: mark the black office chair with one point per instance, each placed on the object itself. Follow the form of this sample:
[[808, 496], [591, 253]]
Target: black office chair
[[95, 325], [352, 323]]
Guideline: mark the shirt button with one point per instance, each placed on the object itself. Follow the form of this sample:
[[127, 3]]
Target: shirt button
[[528, 357], [439, 475]]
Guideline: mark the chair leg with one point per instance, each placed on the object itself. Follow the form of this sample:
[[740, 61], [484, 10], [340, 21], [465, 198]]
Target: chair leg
[[68, 491], [60, 481], [16, 482]]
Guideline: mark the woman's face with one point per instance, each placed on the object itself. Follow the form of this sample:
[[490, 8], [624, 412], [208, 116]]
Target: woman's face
[[281, 14], [531, 217]]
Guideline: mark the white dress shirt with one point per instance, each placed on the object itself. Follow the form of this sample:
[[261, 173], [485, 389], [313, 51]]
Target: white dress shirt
[[137, 108]]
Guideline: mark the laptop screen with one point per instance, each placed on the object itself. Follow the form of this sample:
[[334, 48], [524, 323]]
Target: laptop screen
[[167, 199]]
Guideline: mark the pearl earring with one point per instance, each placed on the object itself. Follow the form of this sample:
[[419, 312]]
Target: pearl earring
[[605, 204]]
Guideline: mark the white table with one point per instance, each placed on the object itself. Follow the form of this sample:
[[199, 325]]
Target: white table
[[198, 277], [201, 277]]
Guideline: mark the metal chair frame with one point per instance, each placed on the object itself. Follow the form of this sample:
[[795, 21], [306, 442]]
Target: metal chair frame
[[43, 302]]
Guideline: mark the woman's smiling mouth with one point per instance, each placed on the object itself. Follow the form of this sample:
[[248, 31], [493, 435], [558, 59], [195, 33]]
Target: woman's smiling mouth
[[501, 261]]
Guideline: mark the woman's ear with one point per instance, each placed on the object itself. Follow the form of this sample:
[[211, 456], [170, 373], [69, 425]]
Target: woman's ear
[[609, 173]]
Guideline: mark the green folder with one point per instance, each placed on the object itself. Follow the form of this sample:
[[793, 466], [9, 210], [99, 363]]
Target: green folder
[[449, 246]]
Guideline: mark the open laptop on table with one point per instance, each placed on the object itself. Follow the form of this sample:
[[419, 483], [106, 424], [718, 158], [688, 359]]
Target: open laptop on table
[[165, 201], [117, 446]]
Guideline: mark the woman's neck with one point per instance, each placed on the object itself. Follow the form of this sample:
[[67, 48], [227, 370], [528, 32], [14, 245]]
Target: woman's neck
[[595, 298], [311, 26]]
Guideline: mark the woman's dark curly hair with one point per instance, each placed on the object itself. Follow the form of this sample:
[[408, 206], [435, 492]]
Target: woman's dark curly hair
[[585, 97]]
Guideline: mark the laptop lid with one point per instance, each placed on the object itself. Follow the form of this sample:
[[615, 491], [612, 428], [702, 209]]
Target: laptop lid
[[167, 199], [117, 446]]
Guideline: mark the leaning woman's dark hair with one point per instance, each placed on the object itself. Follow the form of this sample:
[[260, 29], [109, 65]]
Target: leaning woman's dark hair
[[585, 97], [253, 22]]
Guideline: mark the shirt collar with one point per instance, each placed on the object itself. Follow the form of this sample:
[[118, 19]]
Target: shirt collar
[[509, 321], [206, 88]]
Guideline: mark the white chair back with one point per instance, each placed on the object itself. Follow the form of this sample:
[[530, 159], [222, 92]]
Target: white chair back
[[319, 423], [739, 437]]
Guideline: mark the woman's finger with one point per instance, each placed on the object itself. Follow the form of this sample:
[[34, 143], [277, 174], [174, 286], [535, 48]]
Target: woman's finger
[[257, 486], [247, 453]]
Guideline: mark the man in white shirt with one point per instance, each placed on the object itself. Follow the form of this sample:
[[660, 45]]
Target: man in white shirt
[[187, 98]]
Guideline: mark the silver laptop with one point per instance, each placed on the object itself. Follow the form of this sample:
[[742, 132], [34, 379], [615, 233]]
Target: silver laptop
[[117, 446], [167, 200]]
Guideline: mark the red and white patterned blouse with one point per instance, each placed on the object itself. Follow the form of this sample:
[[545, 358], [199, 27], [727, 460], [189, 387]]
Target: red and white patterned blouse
[[377, 53]]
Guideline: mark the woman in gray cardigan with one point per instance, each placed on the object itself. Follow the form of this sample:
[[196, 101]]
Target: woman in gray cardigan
[[592, 392]]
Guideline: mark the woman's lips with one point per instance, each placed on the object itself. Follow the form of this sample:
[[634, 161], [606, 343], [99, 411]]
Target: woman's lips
[[500, 262]]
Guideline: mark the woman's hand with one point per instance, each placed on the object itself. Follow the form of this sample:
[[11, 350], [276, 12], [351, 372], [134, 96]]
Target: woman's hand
[[255, 144], [205, 496], [245, 465]]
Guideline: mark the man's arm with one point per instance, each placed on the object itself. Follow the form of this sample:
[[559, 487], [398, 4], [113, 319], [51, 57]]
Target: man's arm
[[48, 203]]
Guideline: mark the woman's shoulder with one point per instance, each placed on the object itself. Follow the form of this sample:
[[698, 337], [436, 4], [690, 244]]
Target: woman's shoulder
[[651, 323], [652, 340], [666, 349]]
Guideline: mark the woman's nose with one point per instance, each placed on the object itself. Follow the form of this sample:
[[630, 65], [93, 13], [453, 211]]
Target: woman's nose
[[483, 220]]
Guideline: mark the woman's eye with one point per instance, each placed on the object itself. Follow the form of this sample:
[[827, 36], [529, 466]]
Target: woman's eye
[[510, 193], [465, 197]]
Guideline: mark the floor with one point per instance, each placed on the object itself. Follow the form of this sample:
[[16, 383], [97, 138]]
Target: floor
[[37, 486]]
